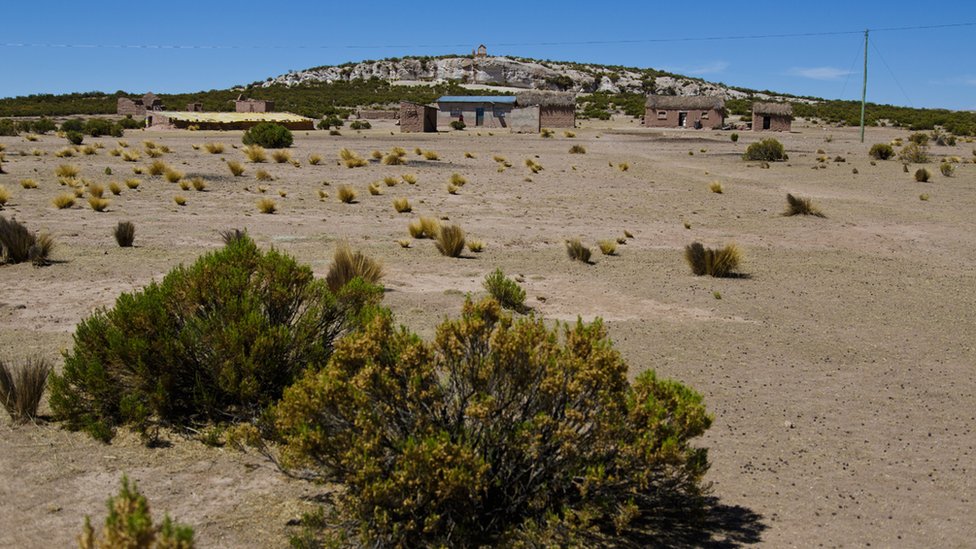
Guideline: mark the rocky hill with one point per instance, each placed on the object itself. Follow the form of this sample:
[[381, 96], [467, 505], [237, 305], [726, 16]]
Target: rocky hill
[[516, 73]]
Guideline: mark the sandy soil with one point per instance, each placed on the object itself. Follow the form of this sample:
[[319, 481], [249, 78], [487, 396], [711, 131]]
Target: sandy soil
[[840, 373]]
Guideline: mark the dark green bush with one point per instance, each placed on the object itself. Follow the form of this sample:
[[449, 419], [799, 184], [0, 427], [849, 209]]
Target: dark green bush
[[505, 290], [97, 127], [919, 138], [458, 125], [44, 125], [75, 138], [218, 340], [768, 150], [268, 135], [734, 137], [360, 125], [128, 123], [331, 121], [881, 151], [8, 128], [913, 153], [497, 432], [73, 125]]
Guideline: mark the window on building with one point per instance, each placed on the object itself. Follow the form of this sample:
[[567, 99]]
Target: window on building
[[704, 115], [662, 115]]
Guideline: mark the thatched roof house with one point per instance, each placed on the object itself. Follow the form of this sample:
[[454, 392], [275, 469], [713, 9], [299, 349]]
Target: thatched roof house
[[556, 109], [684, 111], [775, 117]]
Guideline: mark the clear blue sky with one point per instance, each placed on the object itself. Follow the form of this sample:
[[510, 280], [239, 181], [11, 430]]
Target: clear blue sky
[[227, 43]]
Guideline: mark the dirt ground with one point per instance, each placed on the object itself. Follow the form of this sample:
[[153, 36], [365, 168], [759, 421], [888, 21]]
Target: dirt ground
[[840, 373]]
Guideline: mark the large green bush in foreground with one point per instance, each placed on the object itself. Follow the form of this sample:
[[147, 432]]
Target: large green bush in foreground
[[498, 431], [219, 340], [268, 135]]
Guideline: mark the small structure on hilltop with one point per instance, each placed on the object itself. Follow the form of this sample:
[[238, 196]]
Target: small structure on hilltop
[[253, 105], [138, 107], [416, 118], [488, 111], [774, 117], [551, 109], [688, 111], [480, 53], [225, 120]]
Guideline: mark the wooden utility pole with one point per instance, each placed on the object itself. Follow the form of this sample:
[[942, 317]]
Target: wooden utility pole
[[864, 88]]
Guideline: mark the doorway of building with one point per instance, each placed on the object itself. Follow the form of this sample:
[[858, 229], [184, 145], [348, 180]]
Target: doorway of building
[[479, 117], [766, 122], [682, 119]]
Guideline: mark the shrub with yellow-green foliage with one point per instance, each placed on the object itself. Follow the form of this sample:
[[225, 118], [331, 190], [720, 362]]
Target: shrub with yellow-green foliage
[[129, 525], [218, 340], [497, 432]]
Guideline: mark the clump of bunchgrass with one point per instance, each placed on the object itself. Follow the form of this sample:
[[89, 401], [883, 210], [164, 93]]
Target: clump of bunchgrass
[[607, 247], [450, 240], [235, 167], [390, 181], [173, 176], [115, 188], [721, 262], [64, 201], [402, 205], [623, 166], [28, 183], [947, 169], [409, 178], [546, 133], [457, 179], [348, 265], [796, 205], [351, 159], [21, 388], [125, 234], [263, 175], [180, 200], [431, 155], [255, 153], [374, 189], [98, 204], [214, 148], [281, 156], [346, 194], [67, 170], [922, 175], [577, 251], [314, 159], [577, 149], [199, 184], [716, 187], [156, 168], [132, 183], [533, 165], [267, 206]]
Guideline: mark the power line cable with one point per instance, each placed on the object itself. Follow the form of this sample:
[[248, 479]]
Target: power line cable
[[892, 73], [503, 44]]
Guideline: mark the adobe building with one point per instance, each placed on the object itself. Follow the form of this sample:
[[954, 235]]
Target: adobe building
[[416, 118], [194, 107], [476, 111], [224, 120], [690, 111], [138, 107], [772, 117], [253, 105], [556, 109]]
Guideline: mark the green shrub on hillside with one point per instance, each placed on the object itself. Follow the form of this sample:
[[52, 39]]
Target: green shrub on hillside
[[498, 432], [268, 135], [505, 290], [129, 525], [881, 151], [217, 340], [768, 150]]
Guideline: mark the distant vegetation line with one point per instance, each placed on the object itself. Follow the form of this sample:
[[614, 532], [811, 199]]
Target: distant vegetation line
[[320, 99]]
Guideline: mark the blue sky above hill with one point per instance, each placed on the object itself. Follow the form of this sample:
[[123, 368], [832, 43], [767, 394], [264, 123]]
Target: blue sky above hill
[[110, 45]]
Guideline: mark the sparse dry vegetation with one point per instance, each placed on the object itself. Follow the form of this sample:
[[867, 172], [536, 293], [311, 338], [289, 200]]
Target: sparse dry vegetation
[[267, 206], [21, 387], [402, 205], [801, 206], [348, 265], [346, 194], [125, 234], [577, 251], [98, 204], [450, 240], [235, 167], [718, 263], [255, 153]]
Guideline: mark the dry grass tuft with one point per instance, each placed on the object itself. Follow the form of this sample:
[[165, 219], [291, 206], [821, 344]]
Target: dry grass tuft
[[125, 234], [98, 204], [351, 159], [173, 176], [374, 189], [130, 155], [425, 227], [801, 206], [922, 175], [28, 183], [607, 247], [623, 166], [713, 262], [431, 155], [229, 236], [256, 154], [235, 168], [314, 159], [184, 185], [158, 167], [947, 169], [198, 183], [348, 265], [149, 144], [214, 148], [180, 200], [716, 187], [267, 206], [323, 195], [476, 246], [390, 181], [577, 251], [154, 153], [409, 178], [376, 154], [577, 149], [402, 205], [89, 150], [67, 170], [450, 240], [21, 388], [923, 197], [281, 156], [628, 234], [546, 133], [64, 201], [404, 243], [569, 134], [263, 175], [115, 188], [66, 152], [4, 196], [500, 159], [282, 193], [346, 194], [469, 155], [132, 183], [96, 190], [533, 165]]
